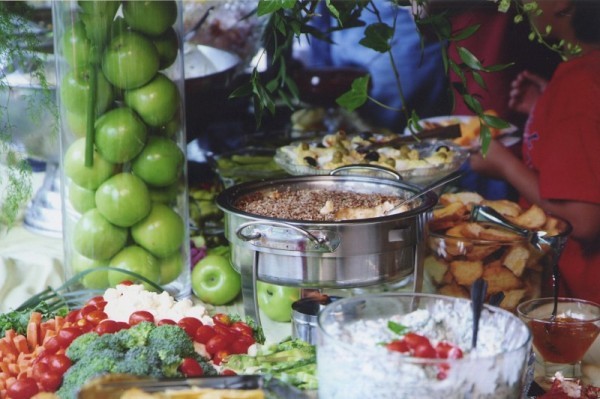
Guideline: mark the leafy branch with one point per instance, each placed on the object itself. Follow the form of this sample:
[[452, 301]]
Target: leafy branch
[[289, 20], [18, 50]]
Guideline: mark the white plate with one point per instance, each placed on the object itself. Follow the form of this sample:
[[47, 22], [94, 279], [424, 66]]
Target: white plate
[[506, 136]]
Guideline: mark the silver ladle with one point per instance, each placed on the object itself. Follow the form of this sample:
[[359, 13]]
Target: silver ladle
[[432, 186]]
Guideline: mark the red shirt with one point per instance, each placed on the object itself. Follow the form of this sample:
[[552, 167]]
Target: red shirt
[[562, 143]]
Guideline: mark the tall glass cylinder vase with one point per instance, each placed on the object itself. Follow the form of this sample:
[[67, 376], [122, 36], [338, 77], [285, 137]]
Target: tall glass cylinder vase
[[120, 84]]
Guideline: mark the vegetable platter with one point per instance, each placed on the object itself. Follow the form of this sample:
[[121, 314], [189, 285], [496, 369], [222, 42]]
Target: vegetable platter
[[52, 349]]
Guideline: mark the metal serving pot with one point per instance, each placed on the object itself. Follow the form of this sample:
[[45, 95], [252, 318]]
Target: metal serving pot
[[349, 253]]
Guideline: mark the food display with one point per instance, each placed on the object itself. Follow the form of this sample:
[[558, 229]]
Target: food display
[[319, 204], [244, 165], [416, 162], [419, 346], [120, 84], [461, 251], [470, 129]]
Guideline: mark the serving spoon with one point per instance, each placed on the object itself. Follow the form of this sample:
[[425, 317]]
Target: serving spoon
[[432, 186]]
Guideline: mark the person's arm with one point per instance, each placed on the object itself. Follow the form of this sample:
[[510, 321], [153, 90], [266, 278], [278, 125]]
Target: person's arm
[[502, 163]]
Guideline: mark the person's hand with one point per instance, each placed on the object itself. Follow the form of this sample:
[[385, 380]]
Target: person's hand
[[525, 90], [495, 162]]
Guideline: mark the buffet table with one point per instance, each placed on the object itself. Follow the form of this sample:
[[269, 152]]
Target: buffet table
[[30, 262]]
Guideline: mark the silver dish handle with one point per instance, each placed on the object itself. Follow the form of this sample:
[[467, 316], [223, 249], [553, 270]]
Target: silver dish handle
[[327, 241], [375, 168]]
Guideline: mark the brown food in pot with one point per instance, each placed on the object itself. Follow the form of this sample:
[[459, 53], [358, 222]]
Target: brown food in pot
[[318, 205]]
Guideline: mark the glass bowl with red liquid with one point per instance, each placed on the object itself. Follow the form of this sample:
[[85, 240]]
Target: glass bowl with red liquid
[[561, 341]]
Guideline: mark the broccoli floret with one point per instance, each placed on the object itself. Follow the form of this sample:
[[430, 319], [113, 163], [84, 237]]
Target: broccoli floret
[[81, 345], [172, 344], [136, 335], [207, 367], [143, 360], [90, 365]]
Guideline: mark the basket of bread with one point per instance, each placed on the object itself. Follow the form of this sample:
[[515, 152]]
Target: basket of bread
[[461, 250]]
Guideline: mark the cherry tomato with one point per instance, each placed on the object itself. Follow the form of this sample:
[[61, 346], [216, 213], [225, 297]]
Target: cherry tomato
[[242, 328], [241, 344], [96, 317], [73, 316], [204, 333], [52, 345], [222, 318], [190, 325], [398, 345], [121, 325], [39, 369], [224, 330], [126, 282], [23, 388], [191, 368], [140, 316], [413, 340], [165, 321], [84, 326], [446, 350], [98, 302], [66, 335], [106, 327], [425, 351], [217, 343], [228, 372], [220, 356], [50, 381], [59, 363], [87, 309]]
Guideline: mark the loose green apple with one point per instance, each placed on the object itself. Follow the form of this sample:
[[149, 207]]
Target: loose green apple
[[156, 102], [130, 60], [162, 232], [81, 198], [150, 17], [76, 46], [214, 280], [167, 45], [160, 163], [170, 267], [96, 238], [134, 259], [84, 176], [123, 199], [75, 91], [120, 135], [276, 300], [94, 279]]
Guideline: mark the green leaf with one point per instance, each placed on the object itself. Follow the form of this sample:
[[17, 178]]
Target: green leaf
[[333, 10], [397, 327], [494, 121], [473, 104], [498, 67], [479, 79], [465, 33], [377, 37], [271, 6], [469, 59], [243, 91], [486, 137], [356, 96]]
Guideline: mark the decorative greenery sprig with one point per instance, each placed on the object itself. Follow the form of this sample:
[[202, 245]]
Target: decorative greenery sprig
[[290, 19]]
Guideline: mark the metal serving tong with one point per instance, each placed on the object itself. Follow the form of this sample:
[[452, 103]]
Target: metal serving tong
[[540, 240]]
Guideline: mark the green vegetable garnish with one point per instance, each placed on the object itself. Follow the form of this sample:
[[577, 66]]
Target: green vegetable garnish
[[397, 328]]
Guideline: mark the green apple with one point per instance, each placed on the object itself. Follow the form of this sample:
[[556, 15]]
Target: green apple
[[81, 198], [164, 195], [167, 45], [276, 300], [95, 279], [134, 259], [96, 238], [76, 123], [123, 199], [97, 16], [215, 281], [162, 232], [150, 17], [169, 129], [120, 135], [130, 60], [160, 163], [76, 46], [75, 91], [84, 176], [170, 267], [156, 102]]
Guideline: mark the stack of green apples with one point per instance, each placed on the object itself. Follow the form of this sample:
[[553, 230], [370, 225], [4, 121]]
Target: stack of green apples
[[123, 159]]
